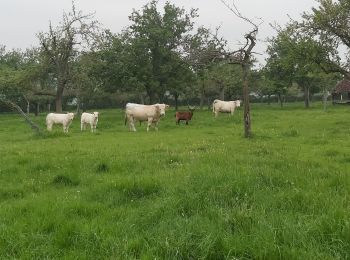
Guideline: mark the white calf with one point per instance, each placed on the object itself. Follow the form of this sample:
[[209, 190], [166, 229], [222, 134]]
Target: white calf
[[63, 119], [225, 106], [89, 119]]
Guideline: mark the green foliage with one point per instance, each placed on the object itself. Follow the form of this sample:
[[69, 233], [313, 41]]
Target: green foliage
[[328, 25], [295, 57], [147, 56], [185, 192], [18, 72]]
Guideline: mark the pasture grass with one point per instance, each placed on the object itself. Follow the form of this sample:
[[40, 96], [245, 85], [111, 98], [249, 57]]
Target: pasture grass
[[200, 191]]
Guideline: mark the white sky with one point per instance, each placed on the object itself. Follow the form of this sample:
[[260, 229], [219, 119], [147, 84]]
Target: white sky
[[21, 20]]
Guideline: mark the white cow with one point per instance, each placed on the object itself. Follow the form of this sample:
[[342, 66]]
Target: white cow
[[150, 113], [225, 106], [89, 119], [63, 119]]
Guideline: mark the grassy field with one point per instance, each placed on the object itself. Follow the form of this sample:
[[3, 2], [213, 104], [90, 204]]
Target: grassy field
[[185, 192]]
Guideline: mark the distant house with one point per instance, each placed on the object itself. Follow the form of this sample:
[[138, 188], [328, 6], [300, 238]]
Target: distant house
[[341, 92]]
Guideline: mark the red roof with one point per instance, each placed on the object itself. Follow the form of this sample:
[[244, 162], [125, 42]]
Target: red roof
[[342, 86]]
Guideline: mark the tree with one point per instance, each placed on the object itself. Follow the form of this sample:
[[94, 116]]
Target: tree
[[203, 56], [243, 57], [328, 24], [158, 41], [61, 45], [292, 59]]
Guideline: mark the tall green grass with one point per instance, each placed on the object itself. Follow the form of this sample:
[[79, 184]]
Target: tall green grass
[[200, 191]]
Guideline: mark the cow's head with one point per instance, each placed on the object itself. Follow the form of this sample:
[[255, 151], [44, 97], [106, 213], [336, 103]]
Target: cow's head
[[238, 103], [191, 108], [162, 108], [70, 116], [95, 115]]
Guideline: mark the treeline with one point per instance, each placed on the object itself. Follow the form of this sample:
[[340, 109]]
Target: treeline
[[164, 56]]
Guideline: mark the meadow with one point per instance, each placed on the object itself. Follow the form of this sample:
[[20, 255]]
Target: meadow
[[200, 191]]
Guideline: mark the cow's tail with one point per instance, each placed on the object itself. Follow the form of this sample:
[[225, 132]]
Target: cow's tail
[[214, 105], [125, 119]]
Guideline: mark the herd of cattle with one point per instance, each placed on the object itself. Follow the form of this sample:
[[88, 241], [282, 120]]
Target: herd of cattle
[[137, 112]]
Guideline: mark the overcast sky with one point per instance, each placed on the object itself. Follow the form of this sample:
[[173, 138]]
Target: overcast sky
[[21, 20]]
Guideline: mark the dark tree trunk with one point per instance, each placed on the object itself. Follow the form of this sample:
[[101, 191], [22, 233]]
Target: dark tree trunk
[[246, 104], [268, 99], [37, 109], [280, 99], [176, 97], [142, 99], [151, 95], [78, 105], [151, 98], [59, 97], [208, 103], [28, 104], [222, 93], [324, 99], [307, 97], [49, 107], [201, 102]]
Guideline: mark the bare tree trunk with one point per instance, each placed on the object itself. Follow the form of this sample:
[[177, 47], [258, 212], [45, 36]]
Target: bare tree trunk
[[28, 104], [246, 104], [49, 107], [12, 105]]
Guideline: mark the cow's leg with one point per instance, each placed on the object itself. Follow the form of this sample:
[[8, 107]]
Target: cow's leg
[[132, 122], [92, 128], [149, 123], [81, 126], [156, 126], [49, 127]]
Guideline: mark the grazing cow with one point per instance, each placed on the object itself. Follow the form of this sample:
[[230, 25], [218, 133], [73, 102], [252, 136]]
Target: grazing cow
[[187, 115], [89, 119], [64, 119], [150, 113], [225, 106]]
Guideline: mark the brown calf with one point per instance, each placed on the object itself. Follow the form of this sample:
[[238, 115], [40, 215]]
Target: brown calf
[[186, 116]]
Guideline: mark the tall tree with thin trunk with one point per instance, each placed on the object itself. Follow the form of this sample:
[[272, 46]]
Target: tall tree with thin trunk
[[62, 44], [243, 57]]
